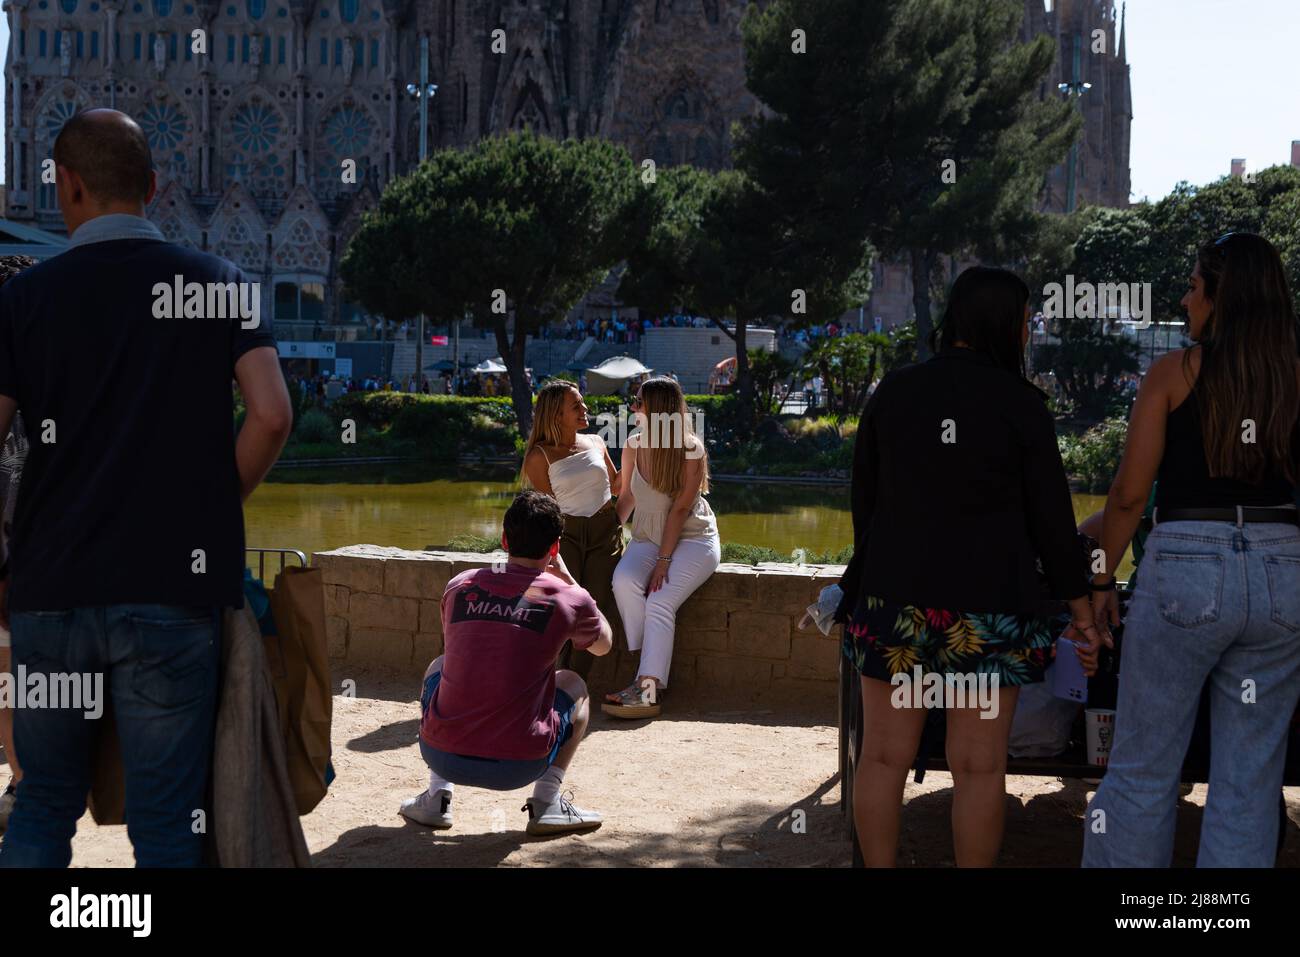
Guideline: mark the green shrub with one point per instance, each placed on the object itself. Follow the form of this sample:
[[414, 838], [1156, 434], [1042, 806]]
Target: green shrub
[[375, 409], [1094, 457], [314, 450], [472, 543], [314, 426], [839, 556], [840, 457], [499, 408], [753, 554], [431, 426], [436, 434], [599, 404], [442, 426]]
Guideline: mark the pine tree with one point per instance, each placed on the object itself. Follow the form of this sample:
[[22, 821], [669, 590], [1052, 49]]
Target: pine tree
[[914, 124], [513, 231]]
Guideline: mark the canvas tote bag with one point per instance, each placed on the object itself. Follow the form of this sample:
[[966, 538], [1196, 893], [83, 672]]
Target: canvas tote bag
[[298, 659]]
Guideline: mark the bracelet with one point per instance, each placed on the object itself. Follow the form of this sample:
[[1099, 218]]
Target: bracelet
[[661, 558], [1109, 586]]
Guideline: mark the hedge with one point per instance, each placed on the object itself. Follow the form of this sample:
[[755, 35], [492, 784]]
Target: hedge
[[434, 417]]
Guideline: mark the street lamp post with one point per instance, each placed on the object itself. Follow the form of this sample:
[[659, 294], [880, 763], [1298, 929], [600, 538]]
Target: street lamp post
[[423, 93], [1074, 89]]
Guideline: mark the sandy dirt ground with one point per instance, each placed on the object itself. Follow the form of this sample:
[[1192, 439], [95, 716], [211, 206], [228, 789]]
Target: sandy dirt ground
[[692, 788]]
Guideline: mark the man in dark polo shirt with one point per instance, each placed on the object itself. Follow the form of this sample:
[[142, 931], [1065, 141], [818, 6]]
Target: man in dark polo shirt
[[128, 536]]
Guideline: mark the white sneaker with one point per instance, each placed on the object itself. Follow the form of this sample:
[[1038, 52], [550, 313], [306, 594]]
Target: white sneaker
[[431, 810], [7, 800], [559, 817]]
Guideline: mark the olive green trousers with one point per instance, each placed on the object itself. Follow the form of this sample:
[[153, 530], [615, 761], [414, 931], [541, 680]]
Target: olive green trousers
[[591, 548]]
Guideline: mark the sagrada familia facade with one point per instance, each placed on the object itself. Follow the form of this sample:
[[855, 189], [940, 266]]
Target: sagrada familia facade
[[254, 107]]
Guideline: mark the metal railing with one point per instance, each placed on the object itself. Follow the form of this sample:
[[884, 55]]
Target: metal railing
[[263, 552]]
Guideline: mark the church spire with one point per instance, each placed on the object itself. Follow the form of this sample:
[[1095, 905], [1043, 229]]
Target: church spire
[[1123, 16]]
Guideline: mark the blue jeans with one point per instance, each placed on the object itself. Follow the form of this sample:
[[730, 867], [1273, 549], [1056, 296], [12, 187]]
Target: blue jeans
[[159, 666], [1220, 602], [494, 774]]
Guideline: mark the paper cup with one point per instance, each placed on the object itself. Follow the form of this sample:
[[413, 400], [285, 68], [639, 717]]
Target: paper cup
[[1101, 731]]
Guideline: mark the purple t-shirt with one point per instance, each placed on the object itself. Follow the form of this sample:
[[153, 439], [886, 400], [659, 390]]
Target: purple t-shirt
[[502, 633]]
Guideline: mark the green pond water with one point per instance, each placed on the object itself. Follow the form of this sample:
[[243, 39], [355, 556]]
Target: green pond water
[[316, 510]]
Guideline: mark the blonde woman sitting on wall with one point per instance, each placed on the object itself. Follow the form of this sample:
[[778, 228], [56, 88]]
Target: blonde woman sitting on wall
[[675, 545], [576, 471]]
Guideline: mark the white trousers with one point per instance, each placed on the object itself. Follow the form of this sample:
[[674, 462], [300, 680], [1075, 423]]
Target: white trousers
[[650, 620]]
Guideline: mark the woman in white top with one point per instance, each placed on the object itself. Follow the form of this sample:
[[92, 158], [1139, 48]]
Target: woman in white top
[[675, 545], [576, 470]]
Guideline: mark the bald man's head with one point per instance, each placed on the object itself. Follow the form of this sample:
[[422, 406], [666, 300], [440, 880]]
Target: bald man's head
[[110, 153]]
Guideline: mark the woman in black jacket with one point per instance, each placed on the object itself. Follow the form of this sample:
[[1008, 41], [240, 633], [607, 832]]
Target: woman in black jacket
[[959, 496]]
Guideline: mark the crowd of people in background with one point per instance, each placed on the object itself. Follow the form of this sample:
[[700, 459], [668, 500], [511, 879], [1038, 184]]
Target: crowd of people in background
[[622, 330], [323, 388], [826, 330], [617, 330]]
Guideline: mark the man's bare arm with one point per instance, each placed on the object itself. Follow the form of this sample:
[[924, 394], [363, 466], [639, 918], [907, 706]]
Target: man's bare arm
[[269, 420], [603, 644]]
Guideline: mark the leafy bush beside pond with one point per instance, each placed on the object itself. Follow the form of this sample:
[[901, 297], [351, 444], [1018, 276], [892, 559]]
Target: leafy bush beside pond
[[753, 554], [443, 426], [314, 426], [1093, 457], [793, 445]]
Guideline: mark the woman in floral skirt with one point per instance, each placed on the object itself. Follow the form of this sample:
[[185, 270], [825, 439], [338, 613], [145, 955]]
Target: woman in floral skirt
[[959, 498]]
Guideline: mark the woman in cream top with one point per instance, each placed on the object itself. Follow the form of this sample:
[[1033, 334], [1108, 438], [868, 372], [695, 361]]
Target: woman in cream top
[[675, 545], [654, 506]]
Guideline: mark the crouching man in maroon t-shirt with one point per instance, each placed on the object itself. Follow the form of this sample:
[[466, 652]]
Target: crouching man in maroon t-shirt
[[495, 712]]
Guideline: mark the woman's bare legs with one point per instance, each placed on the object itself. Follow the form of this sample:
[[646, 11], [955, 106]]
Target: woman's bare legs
[[977, 758], [890, 737], [7, 726]]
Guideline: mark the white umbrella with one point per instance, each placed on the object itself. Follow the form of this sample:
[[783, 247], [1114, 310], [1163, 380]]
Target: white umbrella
[[489, 367], [620, 367], [609, 376]]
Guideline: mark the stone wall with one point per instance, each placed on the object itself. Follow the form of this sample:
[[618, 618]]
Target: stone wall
[[737, 638]]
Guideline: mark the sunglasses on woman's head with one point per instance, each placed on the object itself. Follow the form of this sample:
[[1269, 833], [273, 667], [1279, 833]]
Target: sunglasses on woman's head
[[1221, 243]]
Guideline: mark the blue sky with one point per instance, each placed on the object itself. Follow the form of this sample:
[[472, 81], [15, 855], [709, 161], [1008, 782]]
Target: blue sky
[[1212, 79]]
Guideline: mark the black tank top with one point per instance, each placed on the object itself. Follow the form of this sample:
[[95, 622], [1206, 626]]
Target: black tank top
[[1184, 478]]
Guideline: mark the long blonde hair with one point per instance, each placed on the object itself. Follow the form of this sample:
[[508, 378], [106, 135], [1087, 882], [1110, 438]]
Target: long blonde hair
[[547, 416], [662, 403]]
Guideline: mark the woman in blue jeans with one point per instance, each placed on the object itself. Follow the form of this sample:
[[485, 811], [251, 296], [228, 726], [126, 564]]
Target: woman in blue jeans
[[1219, 595]]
